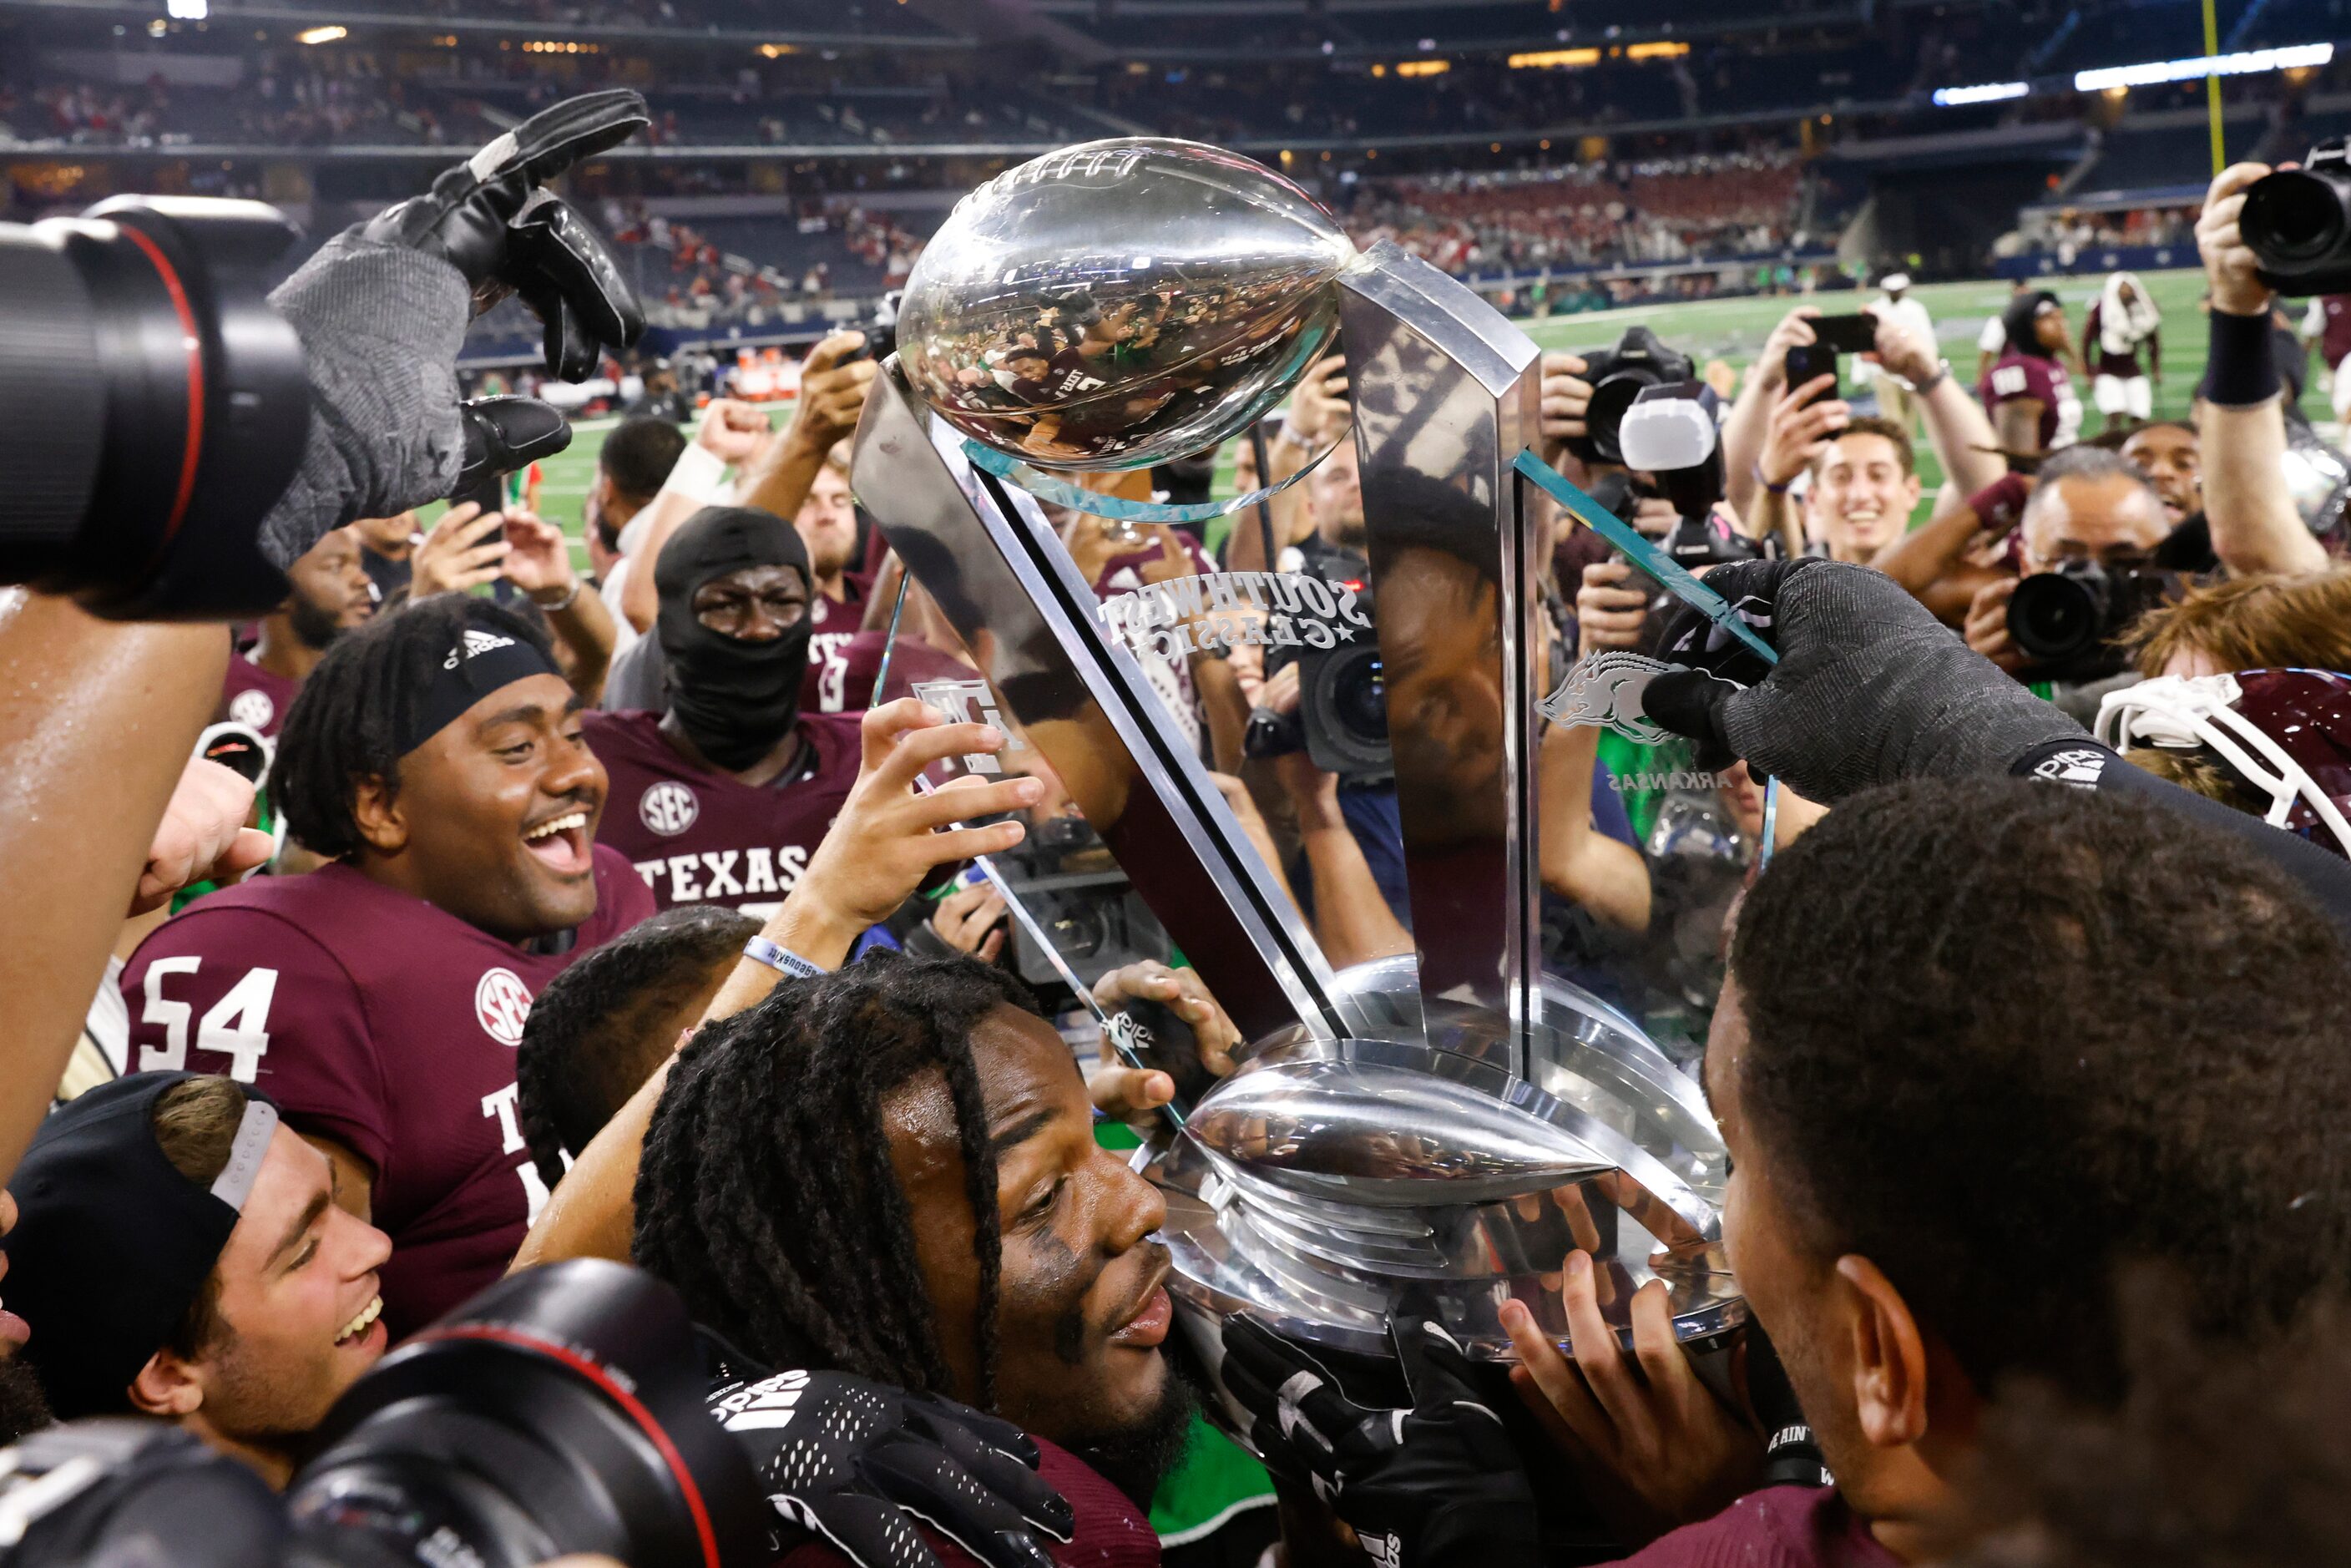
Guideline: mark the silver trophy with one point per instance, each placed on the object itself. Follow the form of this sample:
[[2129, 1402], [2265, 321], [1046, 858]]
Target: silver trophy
[[1440, 1127]]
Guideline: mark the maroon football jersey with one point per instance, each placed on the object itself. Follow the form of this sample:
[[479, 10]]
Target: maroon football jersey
[[700, 837], [2030, 376], [842, 665], [846, 613], [2104, 361], [2335, 334], [383, 1023], [253, 696]]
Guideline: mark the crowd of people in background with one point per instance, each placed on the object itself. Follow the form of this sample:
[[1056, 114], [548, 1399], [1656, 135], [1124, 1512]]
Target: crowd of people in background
[[659, 913], [1593, 215]]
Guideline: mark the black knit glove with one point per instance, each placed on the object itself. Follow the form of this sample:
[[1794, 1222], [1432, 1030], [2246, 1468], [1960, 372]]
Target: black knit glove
[[1869, 689], [1439, 1486], [490, 218], [382, 309], [850, 1461]]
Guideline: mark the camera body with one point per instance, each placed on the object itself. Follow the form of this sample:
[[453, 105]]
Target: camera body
[[2066, 621], [881, 328], [1618, 376], [1341, 721], [2298, 222], [562, 1410], [1087, 907]]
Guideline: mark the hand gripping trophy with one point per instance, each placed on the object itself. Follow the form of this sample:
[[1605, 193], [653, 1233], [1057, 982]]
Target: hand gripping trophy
[[1439, 1128]]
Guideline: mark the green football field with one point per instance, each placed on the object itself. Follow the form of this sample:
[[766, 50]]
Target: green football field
[[1731, 330]]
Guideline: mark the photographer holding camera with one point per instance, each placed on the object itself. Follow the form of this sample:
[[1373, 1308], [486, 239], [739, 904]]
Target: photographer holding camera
[[2256, 528], [2092, 523], [1861, 478]]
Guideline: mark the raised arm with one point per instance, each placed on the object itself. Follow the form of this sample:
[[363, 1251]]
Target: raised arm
[[2256, 528]]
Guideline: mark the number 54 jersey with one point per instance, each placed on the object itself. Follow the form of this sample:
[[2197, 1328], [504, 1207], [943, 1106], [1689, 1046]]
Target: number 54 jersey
[[382, 1023]]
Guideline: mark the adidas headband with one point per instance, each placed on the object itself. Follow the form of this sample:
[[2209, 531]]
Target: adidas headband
[[483, 659]]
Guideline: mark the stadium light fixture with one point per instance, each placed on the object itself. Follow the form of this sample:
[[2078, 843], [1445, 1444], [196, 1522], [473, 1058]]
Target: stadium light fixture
[[1422, 67], [2249, 62], [1659, 51], [1987, 92], [778, 51], [187, 10], [326, 35], [1555, 59]]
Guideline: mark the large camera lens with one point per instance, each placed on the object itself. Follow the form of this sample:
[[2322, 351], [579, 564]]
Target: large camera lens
[[2058, 616], [155, 404], [2296, 216], [559, 1411], [1343, 704], [1360, 698], [1606, 415]]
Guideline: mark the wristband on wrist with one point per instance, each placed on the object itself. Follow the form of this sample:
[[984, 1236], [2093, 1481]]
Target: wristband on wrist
[[1942, 373], [1780, 489], [783, 960], [700, 474], [558, 606], [2242, 371]]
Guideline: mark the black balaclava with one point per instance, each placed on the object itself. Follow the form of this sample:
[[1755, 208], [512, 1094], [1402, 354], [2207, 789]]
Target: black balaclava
[[734, 698]]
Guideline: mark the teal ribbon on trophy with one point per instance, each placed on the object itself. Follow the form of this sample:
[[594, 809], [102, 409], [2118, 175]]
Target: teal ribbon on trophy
[[1676, 579], [1670, 574], [1061, 493]]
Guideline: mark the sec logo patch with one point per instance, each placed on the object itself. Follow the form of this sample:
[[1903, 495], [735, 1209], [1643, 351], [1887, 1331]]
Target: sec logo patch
[[668, 808], [252, 708], [501, 1004]]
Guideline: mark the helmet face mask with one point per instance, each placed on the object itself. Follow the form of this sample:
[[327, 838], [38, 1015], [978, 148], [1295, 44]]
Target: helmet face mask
[[2285, 733]]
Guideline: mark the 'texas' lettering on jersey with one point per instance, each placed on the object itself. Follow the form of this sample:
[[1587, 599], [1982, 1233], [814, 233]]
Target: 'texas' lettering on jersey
[[696, 835], [707, 875]]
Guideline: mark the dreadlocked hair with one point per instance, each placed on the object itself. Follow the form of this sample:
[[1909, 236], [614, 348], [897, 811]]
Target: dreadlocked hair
[[345, 723], [603, 1026], [766, 1194]]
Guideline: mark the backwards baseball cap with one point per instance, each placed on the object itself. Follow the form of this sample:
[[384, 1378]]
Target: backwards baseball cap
[[1894, 282], [113, 1244]]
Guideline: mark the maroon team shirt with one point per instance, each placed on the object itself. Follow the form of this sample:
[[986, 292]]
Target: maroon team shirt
[[697, 836], [253, 696], [2030, 376], [846, 613], [842, 665], [2335, 334], [1779, 1527], [383, 1023], [2123, 367]]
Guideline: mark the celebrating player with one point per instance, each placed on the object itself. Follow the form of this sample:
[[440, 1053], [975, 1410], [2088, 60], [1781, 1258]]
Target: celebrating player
[[435, 758]]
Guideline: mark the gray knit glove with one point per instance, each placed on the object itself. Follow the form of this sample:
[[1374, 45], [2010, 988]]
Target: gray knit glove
[[1870, 688], [380, 326], [382, 309]]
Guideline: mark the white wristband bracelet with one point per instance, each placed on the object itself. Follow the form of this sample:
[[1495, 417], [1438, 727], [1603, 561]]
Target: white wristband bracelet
[[699, 475], [783, 960]]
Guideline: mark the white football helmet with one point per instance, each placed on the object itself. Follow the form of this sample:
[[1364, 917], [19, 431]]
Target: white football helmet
[[2286, 732]]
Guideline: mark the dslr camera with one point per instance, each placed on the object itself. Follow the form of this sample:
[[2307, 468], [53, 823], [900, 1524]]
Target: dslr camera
[[1672, 432], [2297, 222], [1341, 721], [559, 1411], [1083, 904], [1619, 375], [2066, 621]]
